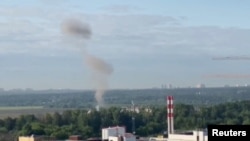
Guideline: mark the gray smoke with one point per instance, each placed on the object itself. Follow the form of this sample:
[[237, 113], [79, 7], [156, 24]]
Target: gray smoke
[[98, 64], [76, 28], [100, 68]]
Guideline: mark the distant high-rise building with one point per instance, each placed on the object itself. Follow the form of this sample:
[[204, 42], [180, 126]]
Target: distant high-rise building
[[163, 86], [170, 86]]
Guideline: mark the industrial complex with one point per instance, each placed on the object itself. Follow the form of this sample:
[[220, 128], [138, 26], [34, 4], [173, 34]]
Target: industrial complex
[[195, 135], [118, 133]]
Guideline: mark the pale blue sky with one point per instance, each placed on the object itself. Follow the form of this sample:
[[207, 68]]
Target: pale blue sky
[[148, 42]]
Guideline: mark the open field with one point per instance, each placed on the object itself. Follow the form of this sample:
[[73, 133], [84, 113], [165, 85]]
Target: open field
[[38, 103], [20, 107], [36, 110]]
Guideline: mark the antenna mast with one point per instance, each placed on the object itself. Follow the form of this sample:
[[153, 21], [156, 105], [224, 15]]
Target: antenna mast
[[133, 118]]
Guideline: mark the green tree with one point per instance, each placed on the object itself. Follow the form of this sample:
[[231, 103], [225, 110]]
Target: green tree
[[9, 123], [26, 130], [57, 119]]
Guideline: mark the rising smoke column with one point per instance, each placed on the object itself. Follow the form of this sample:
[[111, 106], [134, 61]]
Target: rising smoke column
[[100, 68]]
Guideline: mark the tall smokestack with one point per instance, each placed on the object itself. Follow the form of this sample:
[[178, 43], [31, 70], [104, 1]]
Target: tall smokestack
[[170, 114]]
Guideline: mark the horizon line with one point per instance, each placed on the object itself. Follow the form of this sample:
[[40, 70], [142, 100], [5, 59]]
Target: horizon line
[[75, 89]]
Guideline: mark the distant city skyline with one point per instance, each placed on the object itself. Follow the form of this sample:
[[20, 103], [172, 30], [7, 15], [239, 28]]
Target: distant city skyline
[[163, 86], [148, 43]]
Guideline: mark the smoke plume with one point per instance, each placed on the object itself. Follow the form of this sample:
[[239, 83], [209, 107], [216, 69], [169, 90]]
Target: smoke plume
[[75, 27], [98, 64], [100, 68]]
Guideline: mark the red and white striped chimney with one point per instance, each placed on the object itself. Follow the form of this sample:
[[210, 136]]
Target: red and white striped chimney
[[170, 114]]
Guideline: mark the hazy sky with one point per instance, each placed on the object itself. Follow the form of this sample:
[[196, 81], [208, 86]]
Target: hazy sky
[[148, 43]]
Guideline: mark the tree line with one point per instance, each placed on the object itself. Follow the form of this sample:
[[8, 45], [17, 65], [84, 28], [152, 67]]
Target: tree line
[[148, 121], [86, 99]]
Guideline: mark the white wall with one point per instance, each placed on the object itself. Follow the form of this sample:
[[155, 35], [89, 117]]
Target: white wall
[[113, 131], [181, 137], [26, 138]]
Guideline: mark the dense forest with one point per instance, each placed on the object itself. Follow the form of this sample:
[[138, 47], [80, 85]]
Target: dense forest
[[150, 120], [152, 97]]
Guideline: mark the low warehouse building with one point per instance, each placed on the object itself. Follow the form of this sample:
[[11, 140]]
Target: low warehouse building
[[195, 136], [117, 134]]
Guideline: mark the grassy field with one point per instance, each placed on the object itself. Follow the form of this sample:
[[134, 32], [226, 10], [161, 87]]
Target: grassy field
[[17, 111], [20, 107]]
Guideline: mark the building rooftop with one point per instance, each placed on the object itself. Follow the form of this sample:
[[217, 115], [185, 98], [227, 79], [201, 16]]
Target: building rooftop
[[113, 127]]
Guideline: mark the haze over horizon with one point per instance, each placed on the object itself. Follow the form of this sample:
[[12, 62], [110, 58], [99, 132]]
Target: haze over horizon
[[148, 43]]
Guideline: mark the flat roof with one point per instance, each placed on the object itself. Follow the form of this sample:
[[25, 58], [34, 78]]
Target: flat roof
[[114, 127]]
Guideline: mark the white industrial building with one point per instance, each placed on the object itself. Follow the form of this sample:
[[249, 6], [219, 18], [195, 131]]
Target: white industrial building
[[172, 136], [191, 136], [117, 134], [194, 136]]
